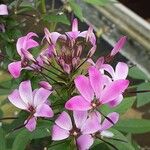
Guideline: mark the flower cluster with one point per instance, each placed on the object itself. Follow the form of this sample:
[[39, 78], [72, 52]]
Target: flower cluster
[[82, 119]]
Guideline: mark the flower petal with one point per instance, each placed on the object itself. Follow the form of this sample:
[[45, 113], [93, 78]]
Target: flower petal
[[59, 133], [45, 85], [109, 69], [15, 69], [106, 133], [118, 46], [16, 100], [82, 83], [113, 90], [96, 81], [91, 125], [107, 124], [77, 103], [41, 96], [116, 101], [25, 91], [44, 110], [64, 121], [3, 9], [79, 118], [31, 125], [84, 142], [121, 71]]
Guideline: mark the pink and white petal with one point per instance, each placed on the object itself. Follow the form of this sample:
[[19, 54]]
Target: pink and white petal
[[78, 103], [64, 121], [44, 110], [109, 69], [114, 117], [84, 142], [25, 91], [31, 125], [83, 85], [113, 90], [45, 85], [118, 46], [15, 69], [31, 44], [99, 62], [30, 35], [116, 101], [96, 81], [80, 118], [75, 25], [121, 71], [3, 9], [91, 125], [41, 96], [59, 133], [98, 115], [72, 35], [106, 133], [54, 37], [19, 45], [16, 100]]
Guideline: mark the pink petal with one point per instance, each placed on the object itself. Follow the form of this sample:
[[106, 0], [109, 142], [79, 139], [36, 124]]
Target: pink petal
[[91, 125], [118, 46], [75, 25], [116, 101], [96, 80], [107, 124], [84, 142], [99, 62], [3, 9], [27, 55], [31, 43], [109, 69], [77, 103], [121, 71], [41, 96], [59, 133], [31, 125], [15, 69], [25, 91], [82, 83], [64, 121], [44, 110], [113, 90], [45, 85], [16, 100], [73, 34], [79, 118]]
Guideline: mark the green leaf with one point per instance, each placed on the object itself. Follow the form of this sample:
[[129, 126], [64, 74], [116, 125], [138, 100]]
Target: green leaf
[[2, 140], [76, 9], [99, 2], [55, 18], [133, 125], [120, 145], [121, 108], [136, 73], [143, 98]]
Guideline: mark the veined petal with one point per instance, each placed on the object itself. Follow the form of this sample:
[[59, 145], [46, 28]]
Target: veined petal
[[75, 25], [3, 9], [91, 125], [80, 118], [109, 69], [41, 96], [84, 142], [15, 69], [44, 110], [16, 100], [45, 85], [31, 43], [118, 46], [99, 62], [116, 101], [113, 90], [83, 85], [31, 125], [96, 81], [78, 103], [114, 117], [64, 121], [25, 91], [121, 71], [59, 133]]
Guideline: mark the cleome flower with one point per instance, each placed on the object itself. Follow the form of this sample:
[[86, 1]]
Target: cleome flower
[[95, 90], [34, 102]]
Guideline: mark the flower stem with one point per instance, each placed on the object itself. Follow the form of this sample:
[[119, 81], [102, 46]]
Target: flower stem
[[43, 6]]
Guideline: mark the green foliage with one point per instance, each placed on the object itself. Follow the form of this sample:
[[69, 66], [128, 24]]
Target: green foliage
[[2, 139], [99, 2], [133, 125]]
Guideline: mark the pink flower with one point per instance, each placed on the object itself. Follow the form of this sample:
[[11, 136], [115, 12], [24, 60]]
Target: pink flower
[[33, 102], [3, 9], [23, 45], [95, 91], [81, 129]]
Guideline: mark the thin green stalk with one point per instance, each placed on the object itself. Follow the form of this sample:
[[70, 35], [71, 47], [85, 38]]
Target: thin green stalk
[[43, 6]]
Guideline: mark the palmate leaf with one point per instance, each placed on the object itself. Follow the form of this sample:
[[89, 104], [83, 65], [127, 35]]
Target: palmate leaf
[[133, 125]]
